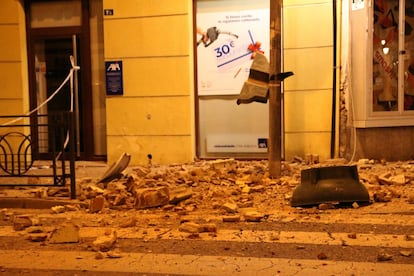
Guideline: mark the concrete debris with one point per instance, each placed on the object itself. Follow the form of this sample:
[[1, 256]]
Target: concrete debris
[[409, 237], [252, 215], [192, 227], [326, 206], [311, 159], [220, 183], [233, 218], [230, 207], [382, 196], [384, 256], [58, 209], [21, 222], [322, 256], [37, 237], [128, 222], [180, 194], [96, 204], [106, 242], [151, 197], [113, 254], [66, 233], [352, 235], [405, 253]]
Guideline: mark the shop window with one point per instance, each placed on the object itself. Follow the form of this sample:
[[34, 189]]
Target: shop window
[[382, 73]]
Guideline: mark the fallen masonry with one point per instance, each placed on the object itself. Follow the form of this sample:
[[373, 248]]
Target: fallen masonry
[[192, 196]]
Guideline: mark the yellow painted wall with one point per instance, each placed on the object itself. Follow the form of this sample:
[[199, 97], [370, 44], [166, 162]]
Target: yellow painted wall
[[153, 38], [308, 46], [13, 61]]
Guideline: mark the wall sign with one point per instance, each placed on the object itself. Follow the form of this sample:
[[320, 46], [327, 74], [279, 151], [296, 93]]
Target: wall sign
[[227, 42], [114, 80]]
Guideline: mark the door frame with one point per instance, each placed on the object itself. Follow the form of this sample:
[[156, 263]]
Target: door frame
[[85, 86]]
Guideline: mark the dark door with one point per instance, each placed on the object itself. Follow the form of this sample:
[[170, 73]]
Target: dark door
[[50, 48]]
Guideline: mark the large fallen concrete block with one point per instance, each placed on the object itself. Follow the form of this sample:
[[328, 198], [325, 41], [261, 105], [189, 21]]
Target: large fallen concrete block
[[151, 197]]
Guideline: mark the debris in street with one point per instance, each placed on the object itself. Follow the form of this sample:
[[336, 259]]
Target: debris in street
[[232, 218], [106, 242], [352, 235], [322, 256], [405, 253], [21, 222], [66, 233], [58, 209], [96, 204], [151, 197], [409, 237], [384, 256]]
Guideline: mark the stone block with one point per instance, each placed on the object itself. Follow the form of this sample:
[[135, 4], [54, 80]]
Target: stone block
[[96, 204], [67, 233], [151, 197]]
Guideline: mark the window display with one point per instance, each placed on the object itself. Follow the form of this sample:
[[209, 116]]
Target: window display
[[393, 59]]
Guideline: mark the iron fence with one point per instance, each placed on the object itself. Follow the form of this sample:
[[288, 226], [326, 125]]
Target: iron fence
[[38, 150]]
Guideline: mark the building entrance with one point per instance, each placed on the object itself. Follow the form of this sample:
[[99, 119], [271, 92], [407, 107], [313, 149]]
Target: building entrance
[[58, 31]]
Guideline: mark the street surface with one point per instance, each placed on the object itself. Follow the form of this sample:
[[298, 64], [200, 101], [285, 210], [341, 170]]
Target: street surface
[[234, 221]]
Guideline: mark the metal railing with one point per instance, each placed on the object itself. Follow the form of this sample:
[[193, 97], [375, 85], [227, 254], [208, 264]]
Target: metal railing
[[38, 150]]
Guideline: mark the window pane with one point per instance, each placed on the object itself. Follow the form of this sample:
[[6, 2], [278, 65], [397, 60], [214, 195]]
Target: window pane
[[385, 60], [56, 14], [409, 61]]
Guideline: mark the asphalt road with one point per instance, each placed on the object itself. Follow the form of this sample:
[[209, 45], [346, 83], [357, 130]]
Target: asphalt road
[[370, 244]]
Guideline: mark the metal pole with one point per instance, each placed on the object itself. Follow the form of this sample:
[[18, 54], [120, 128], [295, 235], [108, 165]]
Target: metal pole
[[275, 107], [76, 92]]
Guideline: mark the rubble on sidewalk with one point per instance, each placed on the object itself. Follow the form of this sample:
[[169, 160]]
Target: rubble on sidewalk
[[66, 233]]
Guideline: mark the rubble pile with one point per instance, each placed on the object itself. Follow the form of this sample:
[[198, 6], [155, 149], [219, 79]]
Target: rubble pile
[[188, 195], [236, 189]]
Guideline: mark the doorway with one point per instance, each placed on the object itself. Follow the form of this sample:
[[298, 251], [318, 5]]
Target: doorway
[[57, 31]]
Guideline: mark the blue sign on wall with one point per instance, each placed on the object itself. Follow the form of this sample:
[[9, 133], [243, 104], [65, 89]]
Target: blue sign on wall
[[114, 81]]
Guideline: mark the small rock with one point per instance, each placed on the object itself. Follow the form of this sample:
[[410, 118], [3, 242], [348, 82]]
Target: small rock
[[34, 229], [58, 209], [113, 254], [180, 194], [253, 216], [274, 236], [398, 179], [383, 256], [22, 222], [381, 196], [99, 255], [322, 256], [106, 242], [355, 205], [326, 206], [37, 237], [235, 218], [409, 237], [191, 227], [230, 207], [222, 164], [129, 222], [209, 227], [352, 235], [405, 253]]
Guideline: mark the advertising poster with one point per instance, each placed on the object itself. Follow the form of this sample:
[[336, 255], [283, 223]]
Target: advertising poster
[[227, 42]]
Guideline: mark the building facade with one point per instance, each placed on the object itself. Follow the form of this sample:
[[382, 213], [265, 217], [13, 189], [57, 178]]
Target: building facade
[[138, 83]]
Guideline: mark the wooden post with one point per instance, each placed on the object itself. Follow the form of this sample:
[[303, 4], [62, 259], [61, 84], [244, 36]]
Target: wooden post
[[275, 108]]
